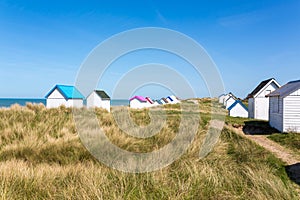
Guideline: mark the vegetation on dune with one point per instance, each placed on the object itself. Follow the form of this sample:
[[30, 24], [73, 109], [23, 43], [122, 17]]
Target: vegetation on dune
[[289, 140], [42, 157]]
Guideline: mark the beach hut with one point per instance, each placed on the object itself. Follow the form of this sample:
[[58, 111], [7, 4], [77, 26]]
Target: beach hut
[[172, 99], [154, 102], [164, 100], [158, 102], [229, 101], [284, 113], [258, 103], [150, 101], [98, 98], [221, 98], [238, 109], [139, 102], [161, 102], [227, 97], [65, 95]]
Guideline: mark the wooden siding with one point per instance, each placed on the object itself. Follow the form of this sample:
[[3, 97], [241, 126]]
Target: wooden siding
[[238, 111], [94, 100], [270, 88], [229, 102], [291, 117], [261, 108], [250, 108], [276, 113]]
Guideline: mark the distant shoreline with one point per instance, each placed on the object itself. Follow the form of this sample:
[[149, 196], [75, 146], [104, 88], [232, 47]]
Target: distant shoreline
[[7, 102]]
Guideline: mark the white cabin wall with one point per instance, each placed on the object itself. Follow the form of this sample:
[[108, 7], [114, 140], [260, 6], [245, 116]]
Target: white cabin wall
[[261, 108], [94, 100], [261, 102], [270, 88], [56, 95], [291, 115], [97, 101], [55, 99], [225, 98], [90, 100], [250, 108], [276, 113], [221, 99], [106, 105], [238, 111], [76, 103], [137, 104], [229, 102], [54, 103]]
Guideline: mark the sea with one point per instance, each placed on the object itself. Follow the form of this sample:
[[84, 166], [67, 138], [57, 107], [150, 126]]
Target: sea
[[7, 102]]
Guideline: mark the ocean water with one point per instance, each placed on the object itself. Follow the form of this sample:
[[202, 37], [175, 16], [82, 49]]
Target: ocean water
[[119, 102], [7, 102]]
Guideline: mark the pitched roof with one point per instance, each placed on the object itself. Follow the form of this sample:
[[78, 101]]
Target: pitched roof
[[285, 90], [230, 95], [261, 86], [159, 102], [174, 97], [149, 100], [233, 97], [69, 92], [140, 98], [165, 100], [170, 98], [102, 94], [235, 103]]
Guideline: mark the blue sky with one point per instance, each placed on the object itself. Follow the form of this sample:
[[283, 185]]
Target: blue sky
[[43, 43]]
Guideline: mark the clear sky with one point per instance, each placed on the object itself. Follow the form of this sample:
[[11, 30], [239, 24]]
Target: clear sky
[[43, 43]]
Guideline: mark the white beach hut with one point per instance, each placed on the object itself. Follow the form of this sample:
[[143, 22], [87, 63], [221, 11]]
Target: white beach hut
[[164, 100], [65, 95], [238, 109], [161, 101], [152, 102], [172, 99], [229, 101], [284, 113], [139, 102], [227, 97], [98, 98], [258, 103], [221, 98]]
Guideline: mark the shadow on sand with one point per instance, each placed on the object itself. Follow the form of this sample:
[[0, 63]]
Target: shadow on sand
[[293, 171], [258, 128]]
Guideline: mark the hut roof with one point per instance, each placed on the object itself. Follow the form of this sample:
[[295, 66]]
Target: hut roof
[[69, 92], [149, 100], [140, 98], [237, 102], [102, 94], [171, 99], [261, 86], [285, 90]]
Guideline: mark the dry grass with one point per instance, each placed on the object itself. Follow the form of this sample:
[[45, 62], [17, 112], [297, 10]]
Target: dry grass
[[41, 157]]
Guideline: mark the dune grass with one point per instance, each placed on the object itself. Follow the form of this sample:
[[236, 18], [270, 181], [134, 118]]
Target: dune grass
[[42, 157], [288, 140]]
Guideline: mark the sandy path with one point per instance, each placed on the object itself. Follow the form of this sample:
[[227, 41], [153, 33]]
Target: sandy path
[[286, 155], [279, 151]]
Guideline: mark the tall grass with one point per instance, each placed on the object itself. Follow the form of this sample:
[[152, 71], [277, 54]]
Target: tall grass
[[42, 157], [289, 140]]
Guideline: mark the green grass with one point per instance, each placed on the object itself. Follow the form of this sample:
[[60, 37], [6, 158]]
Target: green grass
[[288, 140], [42, 157]]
